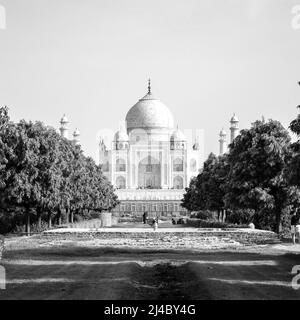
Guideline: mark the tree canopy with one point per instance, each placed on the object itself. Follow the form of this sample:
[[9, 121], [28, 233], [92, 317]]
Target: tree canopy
[[42, 172], [251, 176], [257, 159], [206, 191], [293, 170]]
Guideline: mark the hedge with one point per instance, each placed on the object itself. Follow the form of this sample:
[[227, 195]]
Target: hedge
[[199, 223]]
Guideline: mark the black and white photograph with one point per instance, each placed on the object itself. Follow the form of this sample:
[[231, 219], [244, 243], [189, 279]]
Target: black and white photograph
[[149, 152]]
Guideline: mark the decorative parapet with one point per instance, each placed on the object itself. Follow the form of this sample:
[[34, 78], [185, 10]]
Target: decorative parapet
[[148, 194]]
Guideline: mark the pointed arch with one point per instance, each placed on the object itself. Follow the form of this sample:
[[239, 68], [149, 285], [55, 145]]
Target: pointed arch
[[120, 182], [178, 164], [178, 182], [120, 165], [149, 173]]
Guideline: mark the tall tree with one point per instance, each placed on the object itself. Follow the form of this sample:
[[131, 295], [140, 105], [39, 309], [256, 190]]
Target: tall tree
[[206, 191], [42, 172], [295, 125], [293, 169], [20, 175], [4, 117], [256, 179], [191, 199]]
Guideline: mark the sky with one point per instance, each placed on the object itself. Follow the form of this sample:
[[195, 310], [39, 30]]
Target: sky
[[90, 60]]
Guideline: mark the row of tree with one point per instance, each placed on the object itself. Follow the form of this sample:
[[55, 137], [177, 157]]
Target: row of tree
[[44, 176], [258, 179]]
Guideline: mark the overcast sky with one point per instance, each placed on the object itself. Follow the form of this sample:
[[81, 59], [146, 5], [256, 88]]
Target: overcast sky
[[91, 59]]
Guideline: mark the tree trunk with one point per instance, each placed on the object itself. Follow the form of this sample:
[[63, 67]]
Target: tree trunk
[[66, 215], [72, 216], [40, 221], [59, 217], [224, 215], [39, 218], [28, 222], [49, 220], [278, 222]]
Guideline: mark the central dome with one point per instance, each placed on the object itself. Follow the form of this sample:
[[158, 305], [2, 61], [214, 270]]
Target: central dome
[[149, 113]]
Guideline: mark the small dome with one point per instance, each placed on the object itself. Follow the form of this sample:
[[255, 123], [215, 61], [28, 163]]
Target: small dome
[[234, 118], [178, 136], [64, 119], [223, 132], [76, 133], [121, 136]]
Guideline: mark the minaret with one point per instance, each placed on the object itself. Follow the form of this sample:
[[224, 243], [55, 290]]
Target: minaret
[[234, 128], [102, 146], [76, 137], [222, 141], [196, 144], [103, 152], [149, 86], [64, 129]]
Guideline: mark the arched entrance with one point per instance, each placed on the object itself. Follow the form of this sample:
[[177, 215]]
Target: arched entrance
[[178, 182], [121, 182], [149, 173]]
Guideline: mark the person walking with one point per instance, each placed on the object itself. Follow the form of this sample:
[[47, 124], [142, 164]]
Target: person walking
[[295, 226], [155, 224]]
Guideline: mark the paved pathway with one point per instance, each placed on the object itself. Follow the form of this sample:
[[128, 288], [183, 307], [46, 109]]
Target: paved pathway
[[42, 269]]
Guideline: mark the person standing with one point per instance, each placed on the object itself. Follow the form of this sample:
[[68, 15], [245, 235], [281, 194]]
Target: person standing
[[295, 226], [145, 217]]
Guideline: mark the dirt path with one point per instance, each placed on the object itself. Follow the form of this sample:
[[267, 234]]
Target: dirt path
[[72, 272]]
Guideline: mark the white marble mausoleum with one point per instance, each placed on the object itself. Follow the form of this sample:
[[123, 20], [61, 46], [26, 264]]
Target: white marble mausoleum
[[150, 161]]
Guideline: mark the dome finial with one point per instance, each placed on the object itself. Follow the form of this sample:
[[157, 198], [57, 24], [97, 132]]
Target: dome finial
[[149, 86]]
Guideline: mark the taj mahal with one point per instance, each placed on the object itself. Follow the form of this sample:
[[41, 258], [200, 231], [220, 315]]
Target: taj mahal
[[150, 161]]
